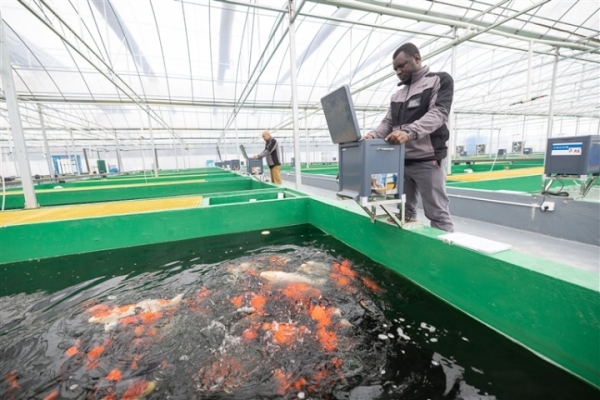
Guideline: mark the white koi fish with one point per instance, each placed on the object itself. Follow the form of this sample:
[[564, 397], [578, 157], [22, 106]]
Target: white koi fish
[[289, 277], [110, 316]]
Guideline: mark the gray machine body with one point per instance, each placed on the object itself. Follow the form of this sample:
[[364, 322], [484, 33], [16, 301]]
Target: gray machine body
[[573, 155], [360, 160], [235, 165]]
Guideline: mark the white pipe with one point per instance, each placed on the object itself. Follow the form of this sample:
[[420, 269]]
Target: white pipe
[[14, 118], [46, 147], [494, 201], [183, 155], [68, 148], [119, 162], [552, 92], [76, 167], [529, 66], [2, 177], [154, 154], [307, 140], [383, 10], [451, 120], [174, 149], [292, 34], [237, 139]]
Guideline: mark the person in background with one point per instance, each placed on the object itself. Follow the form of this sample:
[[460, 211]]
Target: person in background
[[418, 117], [271, 151]]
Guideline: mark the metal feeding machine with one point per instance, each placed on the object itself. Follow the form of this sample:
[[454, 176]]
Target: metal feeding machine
[[254, 166], [365, 166], [572, 157], [232, 165]]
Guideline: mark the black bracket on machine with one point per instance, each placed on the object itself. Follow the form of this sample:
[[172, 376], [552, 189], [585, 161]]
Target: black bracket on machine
[[364, 165]]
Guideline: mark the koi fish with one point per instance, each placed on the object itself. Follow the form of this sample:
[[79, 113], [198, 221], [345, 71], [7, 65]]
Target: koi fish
[[53, 395], [71, 351], [12, 379], [289, 277], [299, 291], [149, 309], [314, 268], [138, 390], [114, 375], [224, 374]]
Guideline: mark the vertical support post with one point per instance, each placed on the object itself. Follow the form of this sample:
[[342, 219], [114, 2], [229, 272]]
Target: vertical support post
[[119, 161], [451, 119], [578, 96], [523, 135], [529, 63], [46, 147], [74, 154], [237, 139], [14, 118], [11, 150], [174, 148], [142, 142], [153, 146], [87, 162], [307, 139], [143, 155], [292, 33], [70, 160], [183, 154], [492, 137], [552, 91]]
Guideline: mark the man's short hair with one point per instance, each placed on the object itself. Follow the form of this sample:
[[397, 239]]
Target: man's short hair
[[407, 48]]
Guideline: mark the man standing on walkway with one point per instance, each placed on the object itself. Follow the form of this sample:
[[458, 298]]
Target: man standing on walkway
[[271, 151], [418, 117]]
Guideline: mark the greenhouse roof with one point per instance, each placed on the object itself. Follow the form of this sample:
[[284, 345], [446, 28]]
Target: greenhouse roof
[[205, 71]]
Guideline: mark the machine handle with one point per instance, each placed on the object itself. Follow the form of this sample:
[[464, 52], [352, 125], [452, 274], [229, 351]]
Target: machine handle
[[385, 149]]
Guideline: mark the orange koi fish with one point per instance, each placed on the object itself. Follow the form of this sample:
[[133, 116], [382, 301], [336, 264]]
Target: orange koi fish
[[322, 316], [142, 319], [300, 291], [327, 339], [258, 303], [237, 301], [134, 363], [71, 351], [369, 283], [138, 390], [53, 395], [277, 261], [114, 375], [250, 334], [226, 373], [95, 353], [12, 379], [93, 356], [282, 381], [344, 268]]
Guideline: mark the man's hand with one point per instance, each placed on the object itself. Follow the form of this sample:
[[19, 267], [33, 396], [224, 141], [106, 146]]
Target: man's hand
[[397, 137], [368, 136]]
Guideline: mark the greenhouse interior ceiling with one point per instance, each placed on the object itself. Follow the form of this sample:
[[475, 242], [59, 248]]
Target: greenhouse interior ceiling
[[218, 72]]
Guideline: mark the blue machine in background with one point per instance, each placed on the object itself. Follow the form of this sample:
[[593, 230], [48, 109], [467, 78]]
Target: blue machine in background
[[63, 166]]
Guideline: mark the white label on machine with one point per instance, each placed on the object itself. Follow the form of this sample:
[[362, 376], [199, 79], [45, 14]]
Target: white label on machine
[[474, 243], [567, 149]]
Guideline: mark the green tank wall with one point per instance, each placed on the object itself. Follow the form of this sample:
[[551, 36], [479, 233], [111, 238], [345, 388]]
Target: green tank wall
[[547, 307], [54, 197]]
